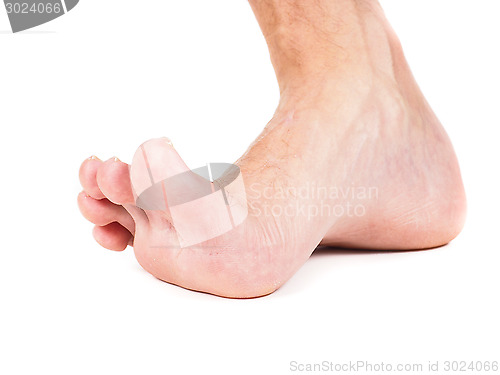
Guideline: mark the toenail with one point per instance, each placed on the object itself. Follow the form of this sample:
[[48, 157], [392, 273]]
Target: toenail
[[84, 194], [115, 158], [93, 157], [169, 142]]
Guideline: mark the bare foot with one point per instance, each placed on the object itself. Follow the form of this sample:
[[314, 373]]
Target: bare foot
[[353, 157]]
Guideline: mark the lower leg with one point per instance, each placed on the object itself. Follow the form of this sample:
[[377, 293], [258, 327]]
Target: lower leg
[[311, 38]]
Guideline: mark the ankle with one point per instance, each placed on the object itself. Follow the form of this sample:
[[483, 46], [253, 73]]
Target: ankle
[[302, 36], [314, 41]]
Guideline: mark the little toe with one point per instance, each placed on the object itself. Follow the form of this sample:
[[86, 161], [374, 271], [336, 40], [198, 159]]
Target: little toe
[[112, 236], [88, 177]]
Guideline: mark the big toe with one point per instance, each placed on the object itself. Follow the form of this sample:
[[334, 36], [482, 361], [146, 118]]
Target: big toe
[[155, 161], [198, 208]]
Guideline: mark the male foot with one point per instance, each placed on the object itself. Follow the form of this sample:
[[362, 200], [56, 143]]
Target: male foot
[[353, 157]]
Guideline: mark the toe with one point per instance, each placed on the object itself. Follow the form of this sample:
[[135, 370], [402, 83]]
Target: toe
[[155, 161], [113, 179], [170, 192], [103, 212], [88, 174], [112, 236]]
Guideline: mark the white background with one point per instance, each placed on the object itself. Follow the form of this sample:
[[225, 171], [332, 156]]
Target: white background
[[111, 74]]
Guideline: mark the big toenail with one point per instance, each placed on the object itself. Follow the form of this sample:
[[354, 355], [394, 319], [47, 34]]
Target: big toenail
[[93, 157], [169, 142]]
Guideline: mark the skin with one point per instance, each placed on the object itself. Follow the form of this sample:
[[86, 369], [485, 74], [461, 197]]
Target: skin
[[350, 115]]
